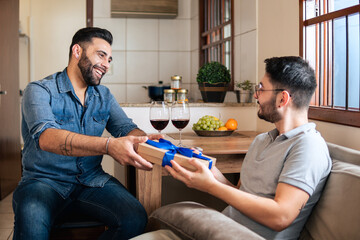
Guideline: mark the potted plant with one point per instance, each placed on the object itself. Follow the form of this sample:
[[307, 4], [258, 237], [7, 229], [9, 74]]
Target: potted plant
[[213, 79], [246, 91]]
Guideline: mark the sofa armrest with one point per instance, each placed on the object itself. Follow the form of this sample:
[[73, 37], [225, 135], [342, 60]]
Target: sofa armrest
[[190, 220]]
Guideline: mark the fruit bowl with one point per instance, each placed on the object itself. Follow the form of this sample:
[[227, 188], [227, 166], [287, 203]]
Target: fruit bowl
[[204, 133]]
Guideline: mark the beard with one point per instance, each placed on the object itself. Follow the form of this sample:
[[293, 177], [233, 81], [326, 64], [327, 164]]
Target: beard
[[268, 111], [86, 67]]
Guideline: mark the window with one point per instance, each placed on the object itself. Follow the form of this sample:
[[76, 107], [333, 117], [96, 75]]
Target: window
[[216, 32], [329, 40]]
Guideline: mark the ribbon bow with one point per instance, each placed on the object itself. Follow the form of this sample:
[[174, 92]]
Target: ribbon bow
[[172, 150]]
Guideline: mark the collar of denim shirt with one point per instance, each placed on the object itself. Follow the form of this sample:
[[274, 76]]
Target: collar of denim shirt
[[64, 85]]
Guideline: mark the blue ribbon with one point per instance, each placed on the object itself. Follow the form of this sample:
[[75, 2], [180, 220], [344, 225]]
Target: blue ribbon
[[172, 150]]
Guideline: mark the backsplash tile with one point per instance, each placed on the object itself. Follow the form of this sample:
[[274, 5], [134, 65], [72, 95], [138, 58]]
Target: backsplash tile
[[248, 56], [142, 67], [183, 9], [142, 34], [117, 70], [174, 63], [117, 28], [174, 35], [194, 44], [237, 58], [118, 90], [137, 93], [194, 65]]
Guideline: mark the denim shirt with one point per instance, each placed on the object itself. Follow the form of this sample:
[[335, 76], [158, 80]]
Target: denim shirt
[[52, 103]]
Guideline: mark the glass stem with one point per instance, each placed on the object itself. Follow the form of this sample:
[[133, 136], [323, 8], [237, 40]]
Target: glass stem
[[180, 137]]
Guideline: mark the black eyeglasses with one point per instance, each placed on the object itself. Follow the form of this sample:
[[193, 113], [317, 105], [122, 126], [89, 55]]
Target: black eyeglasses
[[259, 88]]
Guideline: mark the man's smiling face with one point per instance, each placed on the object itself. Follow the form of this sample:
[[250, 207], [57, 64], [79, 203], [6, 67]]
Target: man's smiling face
[[95, 61]]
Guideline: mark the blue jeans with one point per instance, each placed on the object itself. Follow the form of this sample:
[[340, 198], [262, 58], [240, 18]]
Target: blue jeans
[[36, 206]]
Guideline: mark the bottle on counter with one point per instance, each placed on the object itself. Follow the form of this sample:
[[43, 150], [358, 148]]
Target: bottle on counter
[[182, 95], [169, 96], [176, 82]]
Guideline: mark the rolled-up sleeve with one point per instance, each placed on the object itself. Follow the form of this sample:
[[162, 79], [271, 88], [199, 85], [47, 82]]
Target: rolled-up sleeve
[[119, 124], [37, 111]]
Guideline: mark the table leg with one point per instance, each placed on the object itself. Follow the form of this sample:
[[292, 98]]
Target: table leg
[[148, 188]]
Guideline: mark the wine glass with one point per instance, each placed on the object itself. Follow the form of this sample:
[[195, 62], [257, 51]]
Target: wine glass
[[159, 115], [180, 116]]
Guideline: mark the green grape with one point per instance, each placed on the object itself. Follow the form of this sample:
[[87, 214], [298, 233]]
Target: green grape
[[208, 123]]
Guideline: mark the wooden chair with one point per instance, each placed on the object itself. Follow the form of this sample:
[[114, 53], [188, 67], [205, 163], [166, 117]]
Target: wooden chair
[[77, 226]]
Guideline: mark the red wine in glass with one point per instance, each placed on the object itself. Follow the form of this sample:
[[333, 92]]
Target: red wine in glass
[[180, 116], [180, 123], [159, 115], [159, 124]]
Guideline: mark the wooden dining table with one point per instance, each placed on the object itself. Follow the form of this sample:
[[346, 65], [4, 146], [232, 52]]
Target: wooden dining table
[[229, 152]]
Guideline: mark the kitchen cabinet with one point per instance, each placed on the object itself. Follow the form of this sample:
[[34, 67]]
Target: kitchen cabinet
[[144, 8]]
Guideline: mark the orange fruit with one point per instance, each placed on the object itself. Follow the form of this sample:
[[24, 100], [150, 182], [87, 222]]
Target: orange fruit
[[222, 129], [231, 124]]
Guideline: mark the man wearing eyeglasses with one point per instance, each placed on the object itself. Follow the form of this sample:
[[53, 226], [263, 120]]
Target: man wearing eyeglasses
[[285, 170]]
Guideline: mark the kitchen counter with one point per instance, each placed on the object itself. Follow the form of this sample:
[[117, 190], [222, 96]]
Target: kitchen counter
[[195, 104]]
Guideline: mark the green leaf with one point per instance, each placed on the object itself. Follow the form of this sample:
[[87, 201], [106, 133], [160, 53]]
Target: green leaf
[[213, 72]]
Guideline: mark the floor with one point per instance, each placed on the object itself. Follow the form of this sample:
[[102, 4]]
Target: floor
[[6, 218]]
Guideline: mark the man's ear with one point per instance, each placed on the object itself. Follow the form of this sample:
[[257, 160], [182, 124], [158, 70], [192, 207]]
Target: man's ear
[[76, 51], [285, 98]]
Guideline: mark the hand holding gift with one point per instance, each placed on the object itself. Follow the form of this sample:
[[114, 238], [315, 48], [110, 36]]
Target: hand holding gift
[[164, 151]]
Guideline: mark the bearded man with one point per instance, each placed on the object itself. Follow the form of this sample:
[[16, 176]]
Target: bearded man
[[63, 118], [285, 170]]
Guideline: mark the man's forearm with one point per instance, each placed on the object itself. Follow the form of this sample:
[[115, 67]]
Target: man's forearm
[[137, 132], [68, 143]]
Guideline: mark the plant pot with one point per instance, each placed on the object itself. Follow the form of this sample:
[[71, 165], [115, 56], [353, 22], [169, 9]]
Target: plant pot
[[213, 92], [244, 96]]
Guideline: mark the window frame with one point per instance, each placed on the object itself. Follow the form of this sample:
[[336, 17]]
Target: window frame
[[202, 38], [343, 116]]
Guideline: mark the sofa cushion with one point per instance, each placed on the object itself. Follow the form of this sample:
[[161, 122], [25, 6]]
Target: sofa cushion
[[337, 214], [190, 220], [344, 154]]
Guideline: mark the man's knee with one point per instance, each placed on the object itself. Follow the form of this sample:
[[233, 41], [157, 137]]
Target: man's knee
[[34, 214], [34, 206]]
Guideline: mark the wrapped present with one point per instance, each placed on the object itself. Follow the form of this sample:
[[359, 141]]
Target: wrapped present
[[164, 151]]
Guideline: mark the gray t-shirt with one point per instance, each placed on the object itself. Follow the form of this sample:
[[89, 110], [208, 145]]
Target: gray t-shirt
[[299, 157]]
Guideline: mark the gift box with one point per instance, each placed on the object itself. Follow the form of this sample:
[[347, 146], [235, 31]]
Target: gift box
[[156, 155]]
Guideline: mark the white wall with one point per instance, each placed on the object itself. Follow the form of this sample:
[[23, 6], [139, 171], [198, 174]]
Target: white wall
[[278, 35], [50, 26]]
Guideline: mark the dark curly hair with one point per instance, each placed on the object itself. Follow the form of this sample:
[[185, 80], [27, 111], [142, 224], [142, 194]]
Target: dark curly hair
[[295, 75], [85, 35]]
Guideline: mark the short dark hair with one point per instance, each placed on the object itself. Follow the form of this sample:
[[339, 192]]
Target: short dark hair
[[295, 75], [85, 35]]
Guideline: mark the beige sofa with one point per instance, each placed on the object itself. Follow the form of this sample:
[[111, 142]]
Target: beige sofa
[[336, 216]]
